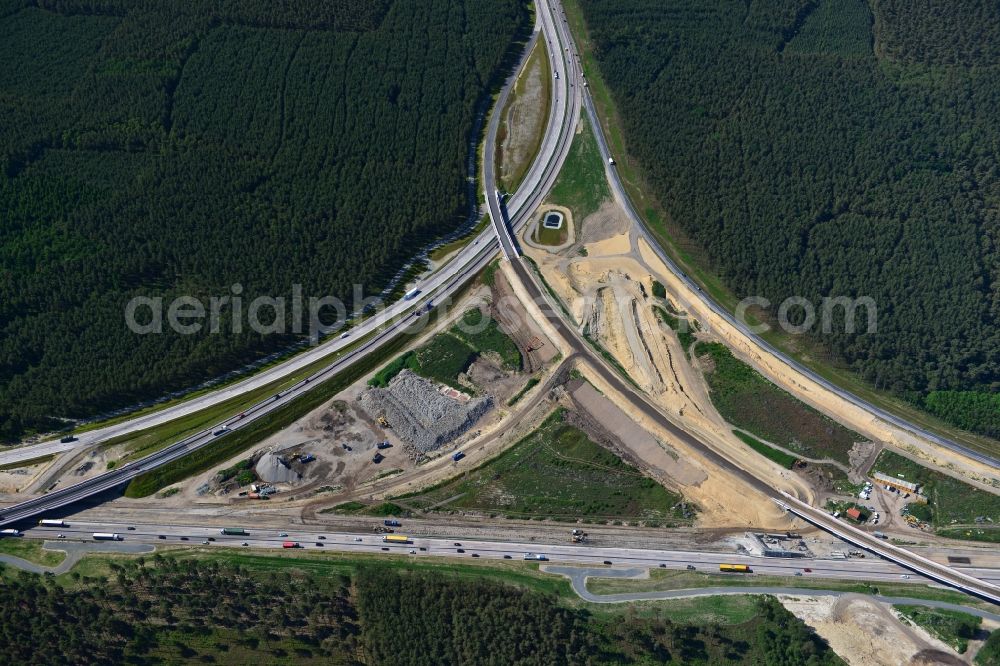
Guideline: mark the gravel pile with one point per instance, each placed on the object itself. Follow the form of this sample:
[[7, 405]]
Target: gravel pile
[[419, 414], [272, 468]]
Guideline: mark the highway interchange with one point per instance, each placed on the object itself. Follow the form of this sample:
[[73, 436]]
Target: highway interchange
[[399, 317], [869, 568]]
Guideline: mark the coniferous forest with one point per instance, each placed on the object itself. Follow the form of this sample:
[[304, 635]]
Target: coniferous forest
[[168, 147], [833, 148], [171, 610]]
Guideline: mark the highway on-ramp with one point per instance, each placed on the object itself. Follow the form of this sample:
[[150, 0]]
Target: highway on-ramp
[[396, 320]]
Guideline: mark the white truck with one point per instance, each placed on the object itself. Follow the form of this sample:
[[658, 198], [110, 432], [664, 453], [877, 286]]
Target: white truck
[[49, 522], [10, 532], [106, 536], [411, 294], [535, 556]]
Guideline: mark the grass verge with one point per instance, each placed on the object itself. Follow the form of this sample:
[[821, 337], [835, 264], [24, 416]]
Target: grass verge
[[693, 261], [558, 473], [231, 445], [510, 178], [752, 403], [30, 550], [661, 580], [768, 452]]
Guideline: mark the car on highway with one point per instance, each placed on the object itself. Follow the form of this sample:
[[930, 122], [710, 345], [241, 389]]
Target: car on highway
[[161, 536], [457, 544], [319, 543], [507, 557], [211, 538], [689, 567], [321, 537], [607, 562], [131, 528], [184, 539], [205, 542], [808, 570], [475, 554], [220, 431], [798, 573], [244, 544], [413, 552], [423, 548], [461, 550], [358, 539], [60, 536], [283, 534], [662, 565], [385, 549], [905, 576]]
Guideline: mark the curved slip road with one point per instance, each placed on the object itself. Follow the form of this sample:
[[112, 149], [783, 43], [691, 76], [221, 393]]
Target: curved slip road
[[578, 581], [396, 320], [876, 412]]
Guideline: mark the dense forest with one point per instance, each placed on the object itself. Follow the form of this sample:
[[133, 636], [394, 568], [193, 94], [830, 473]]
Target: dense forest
[[165, 610], [160, 148], [833, 148]]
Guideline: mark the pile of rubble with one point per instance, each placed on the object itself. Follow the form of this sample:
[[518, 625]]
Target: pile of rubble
[[420, 414]]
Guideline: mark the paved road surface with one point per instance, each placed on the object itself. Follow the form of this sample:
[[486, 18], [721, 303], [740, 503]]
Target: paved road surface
[[74, 551], [578, 577], [869, 568], [540, 179], [640, 224]]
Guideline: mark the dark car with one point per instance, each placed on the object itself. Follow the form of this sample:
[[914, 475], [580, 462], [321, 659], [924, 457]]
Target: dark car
[[319, 543], [808, 570], [211, 538], [475, 554], [385, 549], [663, 566], [321, 537], [422, 548], [184, 539], [161, 536], [506, 557], [457, 543], [461, 550], [131, 528], [607, 561]]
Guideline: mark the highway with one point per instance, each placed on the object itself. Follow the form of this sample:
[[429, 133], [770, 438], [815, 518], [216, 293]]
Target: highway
[[869, 568], [441, 285], [400, 316], [709, 303], [438, 287]]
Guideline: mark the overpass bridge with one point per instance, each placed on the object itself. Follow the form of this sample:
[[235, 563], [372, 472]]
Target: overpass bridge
[[501, 225]]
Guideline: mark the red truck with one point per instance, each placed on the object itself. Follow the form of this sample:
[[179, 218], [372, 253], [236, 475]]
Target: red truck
[[291, 544]]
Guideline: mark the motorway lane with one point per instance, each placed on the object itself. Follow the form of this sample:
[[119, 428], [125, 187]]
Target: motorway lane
[[870, 568], [440, 285], [443, 284], [640, 224]]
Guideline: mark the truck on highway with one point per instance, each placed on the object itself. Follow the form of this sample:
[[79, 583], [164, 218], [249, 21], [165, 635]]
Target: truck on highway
[[536, 556], [106, 536], [391, 523], [735, 568], [411, 294], [51, 522], [290, 544], [10, 532], [234, 531], [611, 161], [458, 456], [396, 538]]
